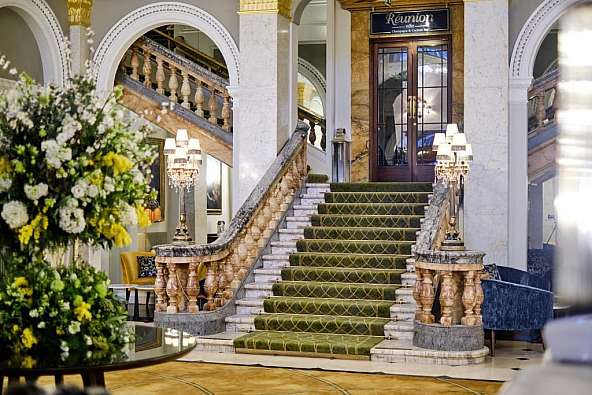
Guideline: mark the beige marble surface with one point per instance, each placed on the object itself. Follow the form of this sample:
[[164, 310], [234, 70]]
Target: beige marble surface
[[502, 367]]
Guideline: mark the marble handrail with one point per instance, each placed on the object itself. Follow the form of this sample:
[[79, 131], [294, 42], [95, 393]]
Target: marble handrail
[[188, 84], [435, 223], [229, 259]]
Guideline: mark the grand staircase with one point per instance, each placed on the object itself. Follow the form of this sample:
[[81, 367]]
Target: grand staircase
[[335, 282]]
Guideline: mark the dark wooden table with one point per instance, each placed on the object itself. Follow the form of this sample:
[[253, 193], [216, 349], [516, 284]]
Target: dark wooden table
[[170, 343]]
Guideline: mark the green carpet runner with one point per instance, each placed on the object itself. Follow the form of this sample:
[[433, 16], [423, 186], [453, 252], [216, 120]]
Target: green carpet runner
[[335, 297]]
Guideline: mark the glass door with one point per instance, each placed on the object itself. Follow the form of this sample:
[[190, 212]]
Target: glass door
[[410, 104]]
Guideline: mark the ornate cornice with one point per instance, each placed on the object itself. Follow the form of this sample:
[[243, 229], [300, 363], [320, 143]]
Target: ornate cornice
[[281, 7], [79, 12], [361, 5]]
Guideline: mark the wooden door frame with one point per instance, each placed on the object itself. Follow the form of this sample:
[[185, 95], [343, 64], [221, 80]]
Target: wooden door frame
[[411, 42]]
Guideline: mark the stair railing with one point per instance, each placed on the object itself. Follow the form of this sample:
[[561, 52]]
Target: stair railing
[[182, 81], [542, 101], [230, 259], [317, 124]]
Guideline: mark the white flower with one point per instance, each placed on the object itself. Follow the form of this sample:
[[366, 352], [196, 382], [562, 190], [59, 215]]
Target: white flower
[[55, 154], [92, 191], [88, 340], [41, 325], [36, 192], [138, 176], [5, 184], [34, 313], [15, 214], [66, 306], [109, 184], [64, 346], [64, 355], [79, 189], [72, 217], [88, 354], [74, 327], [127, 215]]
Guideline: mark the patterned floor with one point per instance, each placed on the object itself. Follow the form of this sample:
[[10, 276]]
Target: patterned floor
[[335, 297]]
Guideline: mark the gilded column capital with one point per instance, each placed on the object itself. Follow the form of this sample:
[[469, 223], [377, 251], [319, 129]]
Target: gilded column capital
[[282, 7], [79, 12]]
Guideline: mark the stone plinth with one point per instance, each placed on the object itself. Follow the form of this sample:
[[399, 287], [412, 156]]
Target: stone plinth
[[448, 338]]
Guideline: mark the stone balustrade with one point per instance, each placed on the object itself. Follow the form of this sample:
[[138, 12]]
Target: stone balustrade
[[542, 101], [230, 259], [316, 124], [181, 81]]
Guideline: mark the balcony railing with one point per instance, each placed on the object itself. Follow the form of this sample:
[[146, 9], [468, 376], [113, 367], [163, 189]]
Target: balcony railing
[[317, 134]]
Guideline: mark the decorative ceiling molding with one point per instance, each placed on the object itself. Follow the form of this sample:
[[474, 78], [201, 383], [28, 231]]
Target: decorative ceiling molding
[[315, 77], [533, 33], [281, 7], [363, 5]]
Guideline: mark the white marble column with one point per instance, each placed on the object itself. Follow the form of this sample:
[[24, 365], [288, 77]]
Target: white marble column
[[518, 172], [264, 96], [535, 216], [486, 125], [80, 48]]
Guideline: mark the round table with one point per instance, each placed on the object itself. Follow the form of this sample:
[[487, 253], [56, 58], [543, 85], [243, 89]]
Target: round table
[[152, 346]]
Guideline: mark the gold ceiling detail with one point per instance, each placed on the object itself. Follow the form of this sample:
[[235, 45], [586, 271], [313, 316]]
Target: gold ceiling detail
[[359, 5], [79, 12], [282, 7]]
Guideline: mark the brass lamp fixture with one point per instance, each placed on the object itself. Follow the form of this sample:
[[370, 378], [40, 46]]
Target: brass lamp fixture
[[453, 155], [183, 160]]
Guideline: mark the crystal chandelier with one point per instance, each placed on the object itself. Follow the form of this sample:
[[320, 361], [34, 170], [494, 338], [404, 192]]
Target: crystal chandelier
[[183, 159], [453, 155]]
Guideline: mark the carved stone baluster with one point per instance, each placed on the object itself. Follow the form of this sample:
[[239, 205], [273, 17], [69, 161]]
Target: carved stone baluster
[[262, 223], [221, 295], [323, 138], [312, 135], [427, 297], [185, 90], [226, 112], [541, 111], [160, 77], [235, 261], [173, 84], [243, 254], [447, 298], [192, 288], [135, 62], [417, 293], [160, 288], [172, 288], [213, 106], [469, 299], [147, 69], [210, 285], [251, 250], [199, 99], [478, 298], [229, 274]]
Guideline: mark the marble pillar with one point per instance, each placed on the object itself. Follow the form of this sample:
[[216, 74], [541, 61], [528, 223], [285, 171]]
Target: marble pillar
[[486, 126], [535, 216], [196, 205], [79, 19], [264, 96]]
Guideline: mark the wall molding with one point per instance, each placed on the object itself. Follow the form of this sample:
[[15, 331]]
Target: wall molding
[[316, 78], [49, 36], [141, 20]]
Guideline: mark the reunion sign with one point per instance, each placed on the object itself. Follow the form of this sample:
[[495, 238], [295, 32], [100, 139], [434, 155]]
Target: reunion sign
[[425, 21]]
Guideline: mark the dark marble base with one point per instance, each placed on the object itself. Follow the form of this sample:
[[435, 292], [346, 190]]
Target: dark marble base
[[452, 338], [200, 324]]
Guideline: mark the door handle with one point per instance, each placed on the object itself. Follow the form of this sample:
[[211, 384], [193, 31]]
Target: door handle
[[412, 107]]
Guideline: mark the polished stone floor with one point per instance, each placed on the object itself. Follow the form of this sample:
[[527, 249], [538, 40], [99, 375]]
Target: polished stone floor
[[202, 378]]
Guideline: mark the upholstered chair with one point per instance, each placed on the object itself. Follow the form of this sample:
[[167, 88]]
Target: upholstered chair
[[130, 270], [516, 301]]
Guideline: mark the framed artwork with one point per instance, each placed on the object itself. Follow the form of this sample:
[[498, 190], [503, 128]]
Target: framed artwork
[[214, 181], [158, 182]]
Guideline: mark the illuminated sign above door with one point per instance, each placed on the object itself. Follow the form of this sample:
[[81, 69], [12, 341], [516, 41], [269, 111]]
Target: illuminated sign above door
[[406, 22]]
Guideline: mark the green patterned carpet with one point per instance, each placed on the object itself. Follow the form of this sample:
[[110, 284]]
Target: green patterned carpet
[[334, 298]]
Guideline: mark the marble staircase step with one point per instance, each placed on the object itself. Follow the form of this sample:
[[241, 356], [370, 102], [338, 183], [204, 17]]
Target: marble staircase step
[[403, 312], [249, 306], [317, 188], [240, 323], [410, 264], [301, 210], [404, 295], [268, 275], [399, 330], [309, 199], [299, 222], [275, 261], [283, 247], [291, 234], [408, 279], [217, 343], [258, 290]]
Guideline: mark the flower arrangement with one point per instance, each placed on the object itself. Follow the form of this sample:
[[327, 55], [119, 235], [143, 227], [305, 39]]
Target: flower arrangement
[[71, 168], [64, 314]]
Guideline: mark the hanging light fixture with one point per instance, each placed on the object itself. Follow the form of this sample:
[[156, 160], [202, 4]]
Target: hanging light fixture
[[183, 159]]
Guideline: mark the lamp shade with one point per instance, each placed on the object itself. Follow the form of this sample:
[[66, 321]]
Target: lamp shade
[[169, 146], [459, 142], [182, 137], [193, 148], [451, 130], [467, 154], [444, 153], [439, 138]]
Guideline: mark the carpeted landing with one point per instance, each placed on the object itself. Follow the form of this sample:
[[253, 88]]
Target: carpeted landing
[[334, 298]]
